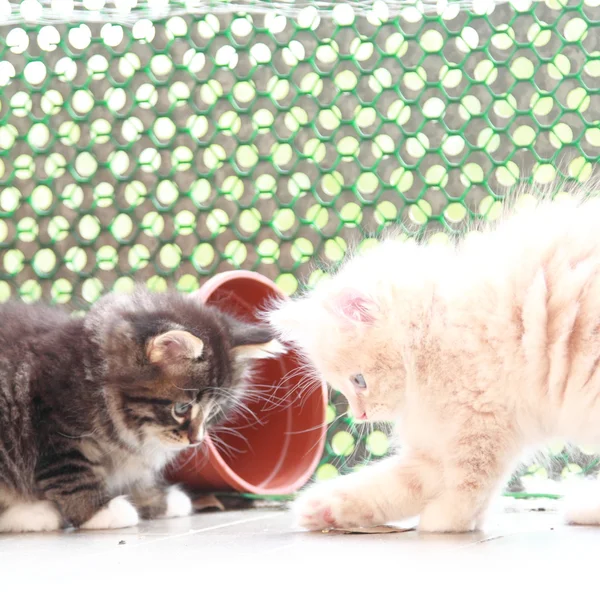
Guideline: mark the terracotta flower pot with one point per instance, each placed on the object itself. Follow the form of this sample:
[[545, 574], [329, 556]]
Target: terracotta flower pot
[[278, 453]]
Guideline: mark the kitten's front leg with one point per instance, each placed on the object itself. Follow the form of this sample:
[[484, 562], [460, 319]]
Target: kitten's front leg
[[393, 489], [160, 501], [69, 479], [473, 471]]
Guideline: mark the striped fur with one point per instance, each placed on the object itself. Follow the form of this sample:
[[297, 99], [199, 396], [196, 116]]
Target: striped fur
[[86, 416]]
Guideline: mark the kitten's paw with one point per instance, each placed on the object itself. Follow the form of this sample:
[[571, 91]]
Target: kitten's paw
[[327, 506], [178, 504], [441, 517], [118, 513], [583, 506], [34, 517]]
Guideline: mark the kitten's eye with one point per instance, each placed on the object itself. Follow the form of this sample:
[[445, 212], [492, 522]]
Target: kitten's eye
[[358, 380], [181, 409]]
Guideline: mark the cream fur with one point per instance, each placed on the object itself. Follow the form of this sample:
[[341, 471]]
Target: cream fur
[[477, 350]]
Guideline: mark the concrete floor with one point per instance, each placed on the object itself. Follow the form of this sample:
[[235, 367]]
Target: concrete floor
[[243, 548]]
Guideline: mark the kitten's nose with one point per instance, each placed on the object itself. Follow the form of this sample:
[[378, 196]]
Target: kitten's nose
[[195, 433], [196, 427]]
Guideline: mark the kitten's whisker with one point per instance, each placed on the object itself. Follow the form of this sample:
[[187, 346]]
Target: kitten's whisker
[[317, 427], [248, 425], [317, 442], [89, 435], [271, 402], [224, 447], [307, 383], [243, 406], [234, 432], [286, 378], [238, 405], [201, 450], [180, 388]]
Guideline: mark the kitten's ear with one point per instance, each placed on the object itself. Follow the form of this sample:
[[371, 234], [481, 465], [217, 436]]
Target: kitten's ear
[[174, 346], [351, 305], [253, 342]]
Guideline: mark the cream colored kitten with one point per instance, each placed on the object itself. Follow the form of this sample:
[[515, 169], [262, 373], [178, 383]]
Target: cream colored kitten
[[477, 350]]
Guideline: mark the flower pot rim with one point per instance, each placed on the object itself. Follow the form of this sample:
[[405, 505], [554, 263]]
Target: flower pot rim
[[218, 462]]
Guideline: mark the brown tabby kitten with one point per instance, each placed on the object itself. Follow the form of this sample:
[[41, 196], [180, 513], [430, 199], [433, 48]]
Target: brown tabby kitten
[[93, 408]]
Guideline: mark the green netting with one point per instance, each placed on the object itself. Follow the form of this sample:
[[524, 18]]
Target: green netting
[[141, 142]]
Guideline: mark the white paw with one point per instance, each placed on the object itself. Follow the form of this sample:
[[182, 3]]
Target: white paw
[[329, 505], [178, 504], [34, 517], [583, 506], [442, 517], [118, 513]]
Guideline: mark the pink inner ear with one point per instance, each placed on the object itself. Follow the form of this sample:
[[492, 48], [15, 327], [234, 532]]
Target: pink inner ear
[[356, 307], [172, 344]]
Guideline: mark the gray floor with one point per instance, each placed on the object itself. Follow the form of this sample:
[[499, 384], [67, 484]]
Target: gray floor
[[261, 546]]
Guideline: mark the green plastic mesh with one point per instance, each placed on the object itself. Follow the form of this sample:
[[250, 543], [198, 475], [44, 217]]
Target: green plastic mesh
[[142, 143]]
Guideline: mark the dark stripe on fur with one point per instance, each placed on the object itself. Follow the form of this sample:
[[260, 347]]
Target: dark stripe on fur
[[147, 400], [61, 471], [79, 489]]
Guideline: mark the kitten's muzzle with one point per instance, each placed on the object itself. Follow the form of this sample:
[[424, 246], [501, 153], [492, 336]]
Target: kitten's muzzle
[[195, 432]]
